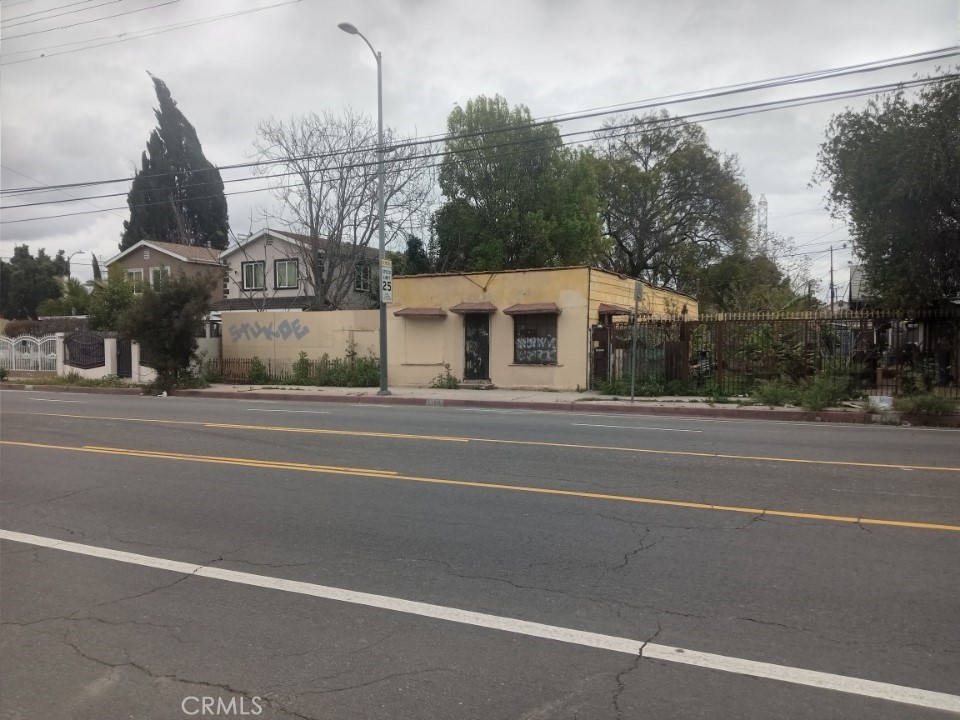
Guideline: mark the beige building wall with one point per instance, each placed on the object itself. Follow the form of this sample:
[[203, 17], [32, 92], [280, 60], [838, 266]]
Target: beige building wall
[[612, 289], [419, 347], [282, 335]]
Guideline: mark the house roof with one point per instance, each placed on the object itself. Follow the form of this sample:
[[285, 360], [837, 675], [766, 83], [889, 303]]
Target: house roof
[[542, 308], [295, 239], [186, 253], [608, 309], [474, 307], [425, 312]]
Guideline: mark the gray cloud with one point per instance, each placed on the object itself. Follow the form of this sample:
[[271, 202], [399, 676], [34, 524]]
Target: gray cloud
[[87, 115]]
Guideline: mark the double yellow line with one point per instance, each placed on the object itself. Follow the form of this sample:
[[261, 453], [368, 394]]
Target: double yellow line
[[525, 443], [391, 475]]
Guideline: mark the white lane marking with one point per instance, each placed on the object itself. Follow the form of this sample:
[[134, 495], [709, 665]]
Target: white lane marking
[[308, 412], [634, 427], [82, 402], [740, 666]]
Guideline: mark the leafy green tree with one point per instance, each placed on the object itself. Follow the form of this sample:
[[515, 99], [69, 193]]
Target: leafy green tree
[[743, 283], [177, 195], [110, 300], [166, 323], [893, 170], [515, 198], [75, 300], [28, 281], [671, 204], [415, 260]]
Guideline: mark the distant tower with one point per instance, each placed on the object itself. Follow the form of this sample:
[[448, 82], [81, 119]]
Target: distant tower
[[762, 237]]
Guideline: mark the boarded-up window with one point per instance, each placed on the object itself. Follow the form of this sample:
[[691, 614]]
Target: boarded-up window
[[535, 339]]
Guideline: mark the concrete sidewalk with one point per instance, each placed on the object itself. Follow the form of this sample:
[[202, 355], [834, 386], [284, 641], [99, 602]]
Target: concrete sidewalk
[[584, 402], [529, 400]]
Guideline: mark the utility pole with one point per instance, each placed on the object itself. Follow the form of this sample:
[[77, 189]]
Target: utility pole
[[832, 288]]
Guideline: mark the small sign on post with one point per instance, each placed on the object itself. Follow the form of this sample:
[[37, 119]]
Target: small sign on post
[[386, 282]]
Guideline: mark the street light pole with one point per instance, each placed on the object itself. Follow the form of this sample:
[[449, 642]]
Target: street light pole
[[352, 30]]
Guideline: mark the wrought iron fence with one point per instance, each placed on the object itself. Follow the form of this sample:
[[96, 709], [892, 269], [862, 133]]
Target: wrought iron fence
[[84, 350], [26, 352], [877, 353]]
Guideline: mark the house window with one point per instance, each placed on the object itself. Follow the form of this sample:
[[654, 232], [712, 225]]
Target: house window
[[363, 276], [135, 278], [226, 286], [535, 339], [285, 274], [253, 275], [156, 273]]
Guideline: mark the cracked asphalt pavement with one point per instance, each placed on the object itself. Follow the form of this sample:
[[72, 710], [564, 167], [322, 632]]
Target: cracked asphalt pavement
[[223, 484]]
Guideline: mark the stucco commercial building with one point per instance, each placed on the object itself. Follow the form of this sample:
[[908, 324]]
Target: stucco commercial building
[[522, 328]]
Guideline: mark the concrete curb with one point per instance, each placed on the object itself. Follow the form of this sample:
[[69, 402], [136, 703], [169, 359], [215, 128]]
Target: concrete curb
[[743, 413], [723, 412], [72, 389]]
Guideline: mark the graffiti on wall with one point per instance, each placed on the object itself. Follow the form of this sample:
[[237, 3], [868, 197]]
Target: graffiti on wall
[[535, 350], [285, 330]]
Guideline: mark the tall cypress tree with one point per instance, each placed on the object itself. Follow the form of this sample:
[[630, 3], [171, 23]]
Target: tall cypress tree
[[177, 195]]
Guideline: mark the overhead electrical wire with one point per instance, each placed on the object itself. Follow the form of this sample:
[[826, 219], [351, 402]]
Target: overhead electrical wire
[[13, 20], [137, 34], [10, 22], [568, 117], [624, 130], [88, 22]]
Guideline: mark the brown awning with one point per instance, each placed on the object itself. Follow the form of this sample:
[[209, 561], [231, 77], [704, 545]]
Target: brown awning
[[424, 312], [474, 307], [607, 309], [545, 308]]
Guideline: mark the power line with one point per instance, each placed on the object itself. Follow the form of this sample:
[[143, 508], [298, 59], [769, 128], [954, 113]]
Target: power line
[[9, 22], [625, 129], [137, 34], [648, 104], [88, 22]]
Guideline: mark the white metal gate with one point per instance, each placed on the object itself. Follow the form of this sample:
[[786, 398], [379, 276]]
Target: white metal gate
[[29, 353]]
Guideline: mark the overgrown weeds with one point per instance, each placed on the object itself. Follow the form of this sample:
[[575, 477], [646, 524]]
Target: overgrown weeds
[[445, 380]]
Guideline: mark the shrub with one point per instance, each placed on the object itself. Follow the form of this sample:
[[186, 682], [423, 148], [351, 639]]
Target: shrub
[[258, 372], [823, 392], [446, 380], [3, 373], [776, 392], [925, 405], [302, 370], [15, 328]]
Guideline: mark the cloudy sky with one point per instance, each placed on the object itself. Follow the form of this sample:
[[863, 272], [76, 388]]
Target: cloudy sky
[[77, 103]]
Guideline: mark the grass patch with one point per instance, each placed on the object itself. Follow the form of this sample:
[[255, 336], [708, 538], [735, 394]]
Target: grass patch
[[77, 380], [927, 404]]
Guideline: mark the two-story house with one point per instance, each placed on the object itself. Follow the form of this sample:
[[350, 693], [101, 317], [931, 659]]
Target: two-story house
[[270, 270], [146, 261]]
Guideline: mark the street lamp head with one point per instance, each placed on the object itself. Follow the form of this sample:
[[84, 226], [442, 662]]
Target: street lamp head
[[348, 28]]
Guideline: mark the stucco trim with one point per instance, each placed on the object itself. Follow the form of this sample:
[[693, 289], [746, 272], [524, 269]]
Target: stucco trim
[[474, 307], [544, 308], [424, 312]]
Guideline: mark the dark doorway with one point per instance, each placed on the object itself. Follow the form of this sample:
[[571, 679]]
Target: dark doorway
[[476, 347], [124, 359]]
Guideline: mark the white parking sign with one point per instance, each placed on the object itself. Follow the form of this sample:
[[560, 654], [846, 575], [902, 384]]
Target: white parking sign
[[386, 282]]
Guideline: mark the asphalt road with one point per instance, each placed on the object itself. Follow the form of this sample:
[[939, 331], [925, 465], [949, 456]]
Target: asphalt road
[[345, 561]]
